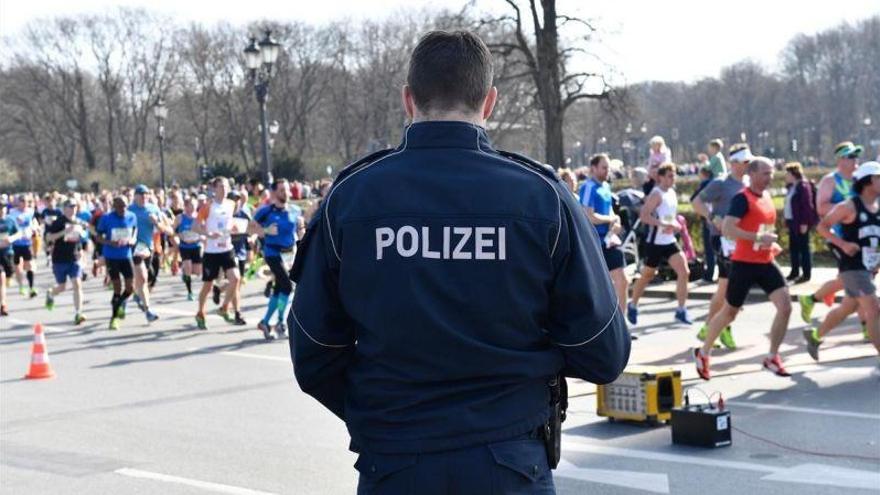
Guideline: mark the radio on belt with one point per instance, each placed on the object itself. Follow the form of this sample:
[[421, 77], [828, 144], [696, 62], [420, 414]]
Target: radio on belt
[[701, 425]]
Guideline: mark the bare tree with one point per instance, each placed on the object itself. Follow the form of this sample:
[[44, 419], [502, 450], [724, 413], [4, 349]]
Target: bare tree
[[535, 37]]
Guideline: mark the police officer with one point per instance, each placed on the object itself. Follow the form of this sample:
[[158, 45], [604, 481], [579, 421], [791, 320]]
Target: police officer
[[442, 286]]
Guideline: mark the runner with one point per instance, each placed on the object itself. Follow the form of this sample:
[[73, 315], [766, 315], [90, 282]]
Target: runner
[[189, 245], [659, 213], [66, 234], [117, 234], [712, 203], [103, 206], [597, 203], [214, 221], [8, 234], [858, 243], [241, 242], [172, 250], [834, 188], [22, 247], [750, 221], [278, 224], [149, 219], [48, 215]]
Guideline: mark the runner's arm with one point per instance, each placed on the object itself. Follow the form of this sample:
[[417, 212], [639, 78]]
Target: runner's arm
[[823, 195], [646, 215], [840, 213]]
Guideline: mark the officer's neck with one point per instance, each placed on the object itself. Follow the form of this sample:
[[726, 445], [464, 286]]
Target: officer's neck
[[450, 116]]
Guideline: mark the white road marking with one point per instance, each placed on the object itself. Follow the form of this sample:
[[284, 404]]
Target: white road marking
[[806, 410], [821, 474], [256, 356], [649, 482], [812, 474], [574, 444], [241, 354], [204, 485]]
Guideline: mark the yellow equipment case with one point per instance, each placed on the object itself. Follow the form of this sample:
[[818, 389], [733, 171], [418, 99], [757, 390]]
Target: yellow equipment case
[[641, 393]]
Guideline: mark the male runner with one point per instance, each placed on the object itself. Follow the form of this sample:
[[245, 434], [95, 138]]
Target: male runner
[[712, 203], [66, 234], [833, 189], [277, 223], [22, 247], [858, 242], [117, 234], [149, 218], [8, 234], [659, 213], [214, 221], [750, 221]]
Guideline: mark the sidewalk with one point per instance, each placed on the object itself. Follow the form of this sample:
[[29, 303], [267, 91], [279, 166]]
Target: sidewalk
[[703, 291]]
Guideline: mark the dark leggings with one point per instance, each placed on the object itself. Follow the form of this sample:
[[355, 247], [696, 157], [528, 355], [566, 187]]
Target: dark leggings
[[799, 244], [282, 279], [153, 269]]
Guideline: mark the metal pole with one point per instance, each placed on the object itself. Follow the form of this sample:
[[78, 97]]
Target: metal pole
[[162, 159], [262, 92]]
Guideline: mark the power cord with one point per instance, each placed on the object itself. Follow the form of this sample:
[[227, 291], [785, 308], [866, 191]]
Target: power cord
[[720, 405]]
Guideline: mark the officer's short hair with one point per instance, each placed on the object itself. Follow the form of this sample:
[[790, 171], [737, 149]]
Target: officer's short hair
[[595, 159], [448, 70]]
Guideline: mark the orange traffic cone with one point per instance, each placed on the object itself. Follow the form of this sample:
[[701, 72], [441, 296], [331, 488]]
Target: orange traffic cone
[[40, 367]]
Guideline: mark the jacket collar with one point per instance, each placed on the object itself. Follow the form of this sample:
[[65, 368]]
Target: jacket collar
[[446, 134]]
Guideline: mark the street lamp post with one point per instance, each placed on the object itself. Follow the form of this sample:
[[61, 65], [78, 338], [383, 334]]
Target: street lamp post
[[260, 58], [161, 112]]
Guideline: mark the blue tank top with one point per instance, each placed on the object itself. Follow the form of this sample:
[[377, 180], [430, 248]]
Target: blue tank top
[[842, 191], [186, 223]]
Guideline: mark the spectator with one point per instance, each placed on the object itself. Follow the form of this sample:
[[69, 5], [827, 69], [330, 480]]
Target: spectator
[[708, 250], [716, 162], [660, 154], [800, 217], [568, 177]]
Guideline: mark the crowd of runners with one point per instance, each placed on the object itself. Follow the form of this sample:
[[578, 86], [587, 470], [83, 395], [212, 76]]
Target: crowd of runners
[[221, 233], [225, 234]]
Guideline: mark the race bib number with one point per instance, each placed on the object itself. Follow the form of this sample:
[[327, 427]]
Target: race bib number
[[189, 237], [74, 235], [141, 250], [871, 258], [727, 246], [120, 235], [240, 225], [287, 259]]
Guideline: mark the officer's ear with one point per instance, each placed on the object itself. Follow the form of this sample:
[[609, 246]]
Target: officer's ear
[[409, 103], [489, 103]]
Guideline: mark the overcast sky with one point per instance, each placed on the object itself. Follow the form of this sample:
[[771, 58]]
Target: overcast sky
[[646, 40]]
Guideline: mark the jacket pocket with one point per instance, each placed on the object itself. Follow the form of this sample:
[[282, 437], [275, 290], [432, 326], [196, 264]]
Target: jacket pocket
[[381, 474], [521, 467]]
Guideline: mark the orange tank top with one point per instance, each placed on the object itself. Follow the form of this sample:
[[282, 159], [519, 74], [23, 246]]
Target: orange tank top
[[761, 212]]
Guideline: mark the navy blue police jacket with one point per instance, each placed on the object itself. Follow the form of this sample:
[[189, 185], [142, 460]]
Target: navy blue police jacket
[[440, 286]]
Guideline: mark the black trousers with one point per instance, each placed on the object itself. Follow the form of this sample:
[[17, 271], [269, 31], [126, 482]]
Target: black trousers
[[799, 245]]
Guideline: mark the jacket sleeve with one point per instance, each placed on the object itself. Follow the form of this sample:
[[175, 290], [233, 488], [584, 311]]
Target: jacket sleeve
[[584, 319], [322, 339]]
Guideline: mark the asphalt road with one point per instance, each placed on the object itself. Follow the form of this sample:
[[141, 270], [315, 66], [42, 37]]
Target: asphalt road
[[164, 408]]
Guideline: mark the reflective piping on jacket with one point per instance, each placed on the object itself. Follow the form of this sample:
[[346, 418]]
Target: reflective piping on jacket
[[330, 196], [613, 315], [293, 313], [552, 187]]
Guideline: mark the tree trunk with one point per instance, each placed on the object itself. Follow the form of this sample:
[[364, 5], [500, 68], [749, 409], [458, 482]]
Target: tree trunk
[[553, 120], [83, 121]]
